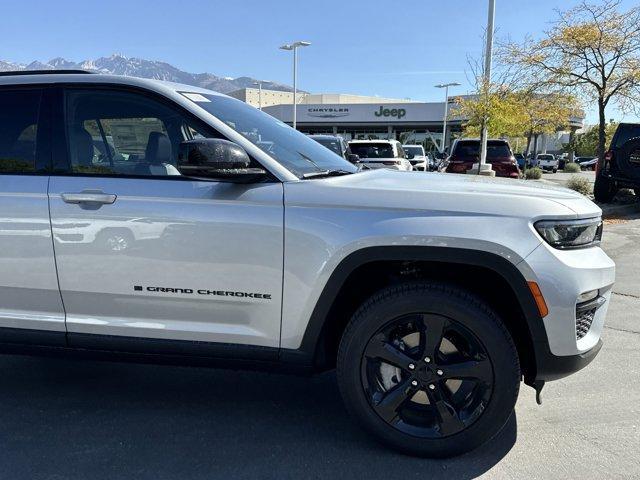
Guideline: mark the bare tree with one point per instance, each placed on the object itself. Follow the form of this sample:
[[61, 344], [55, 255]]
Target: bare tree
[[593, 50]]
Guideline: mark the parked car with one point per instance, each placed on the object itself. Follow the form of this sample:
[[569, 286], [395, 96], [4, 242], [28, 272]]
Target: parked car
[[520, 160], [416, 156], [547, 162], [466, 152], [620, 167], [433, 296], [381, 154], [337, 145], [587, 163]]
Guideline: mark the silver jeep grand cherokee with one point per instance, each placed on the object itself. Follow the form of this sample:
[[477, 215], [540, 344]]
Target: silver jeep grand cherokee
[[155, 221]]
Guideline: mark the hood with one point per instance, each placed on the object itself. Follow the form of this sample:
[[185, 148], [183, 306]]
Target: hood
[[443, 192]]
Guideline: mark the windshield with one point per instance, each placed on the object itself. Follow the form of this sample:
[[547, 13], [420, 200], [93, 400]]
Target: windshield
[[332, 144], [545, 157], [292, 149], [495, 149], [413, 150], [372, 150]]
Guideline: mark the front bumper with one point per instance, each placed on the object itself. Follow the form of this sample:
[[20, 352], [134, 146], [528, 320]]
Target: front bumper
[[422, 165], [553, 367], [562, 276]]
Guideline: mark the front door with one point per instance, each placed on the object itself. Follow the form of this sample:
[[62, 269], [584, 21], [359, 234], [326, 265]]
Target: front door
[[144, 253]]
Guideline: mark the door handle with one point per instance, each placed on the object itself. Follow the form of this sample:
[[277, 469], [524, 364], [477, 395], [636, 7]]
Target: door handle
[[89, 197]]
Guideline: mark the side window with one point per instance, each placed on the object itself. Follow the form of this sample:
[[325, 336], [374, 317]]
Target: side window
[[19, 112], [123, 133]]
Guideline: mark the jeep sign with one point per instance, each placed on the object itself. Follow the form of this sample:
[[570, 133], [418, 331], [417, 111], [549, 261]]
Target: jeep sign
[[391, 112]]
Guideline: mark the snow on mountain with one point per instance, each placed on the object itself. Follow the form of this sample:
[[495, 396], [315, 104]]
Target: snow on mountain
[[118, 64]]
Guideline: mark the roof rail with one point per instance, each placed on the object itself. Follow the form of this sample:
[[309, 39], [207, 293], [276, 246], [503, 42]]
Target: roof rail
[[42, 72]]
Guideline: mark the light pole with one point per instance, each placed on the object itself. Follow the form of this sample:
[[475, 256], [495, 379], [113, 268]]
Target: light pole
[[483, 167], [446, 110], [294, 46], [259, 84]]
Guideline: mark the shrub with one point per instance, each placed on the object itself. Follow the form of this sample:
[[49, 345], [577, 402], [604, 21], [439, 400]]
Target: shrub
[[533, 173], [571, 168], [580, 184]]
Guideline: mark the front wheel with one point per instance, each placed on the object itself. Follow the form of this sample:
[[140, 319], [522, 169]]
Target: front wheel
[[428, 369]]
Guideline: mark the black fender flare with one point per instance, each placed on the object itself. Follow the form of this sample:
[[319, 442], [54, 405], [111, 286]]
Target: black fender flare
[[477, 258]]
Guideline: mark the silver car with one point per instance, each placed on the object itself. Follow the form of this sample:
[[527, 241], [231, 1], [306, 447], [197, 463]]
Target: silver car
[[166, 222]]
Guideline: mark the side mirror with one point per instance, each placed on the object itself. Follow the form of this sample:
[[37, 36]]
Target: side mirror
[[214, 158], [353, 158]]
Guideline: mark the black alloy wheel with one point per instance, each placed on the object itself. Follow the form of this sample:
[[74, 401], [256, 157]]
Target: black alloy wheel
[[428, 369], [427, 375]]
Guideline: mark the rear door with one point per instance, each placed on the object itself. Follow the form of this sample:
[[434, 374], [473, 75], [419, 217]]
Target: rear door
[[144, 253], [29, 296]]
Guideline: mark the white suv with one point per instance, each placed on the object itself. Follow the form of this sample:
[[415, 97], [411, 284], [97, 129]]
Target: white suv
[[547, 162], [432, 295], [416, 156], [381, 154]]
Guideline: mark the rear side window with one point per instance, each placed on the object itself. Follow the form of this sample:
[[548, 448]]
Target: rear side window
[[19, 114]]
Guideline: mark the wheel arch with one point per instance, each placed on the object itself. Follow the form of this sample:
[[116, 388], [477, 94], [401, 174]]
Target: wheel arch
[[365, 271]]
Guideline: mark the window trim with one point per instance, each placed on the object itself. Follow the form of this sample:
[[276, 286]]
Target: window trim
[[60, 143], [43, 154]]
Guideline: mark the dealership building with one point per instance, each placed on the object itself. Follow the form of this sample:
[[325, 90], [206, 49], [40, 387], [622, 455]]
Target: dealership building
[[409, 122], [365, 117]]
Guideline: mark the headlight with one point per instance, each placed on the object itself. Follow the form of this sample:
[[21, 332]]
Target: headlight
[[565, 234]]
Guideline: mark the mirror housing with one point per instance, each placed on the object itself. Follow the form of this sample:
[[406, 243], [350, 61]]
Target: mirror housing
[[214, 158], [353, 158]]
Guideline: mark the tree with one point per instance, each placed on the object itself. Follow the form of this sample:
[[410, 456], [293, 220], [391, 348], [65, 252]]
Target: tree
[[586, 144], [522, 113], [592, 49], [497, 107], [544, 113]]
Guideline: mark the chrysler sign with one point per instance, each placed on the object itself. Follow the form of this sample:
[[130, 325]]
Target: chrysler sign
[[328, 112]]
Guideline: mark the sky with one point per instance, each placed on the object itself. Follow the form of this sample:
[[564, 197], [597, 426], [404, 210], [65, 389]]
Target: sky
[[398, 49]]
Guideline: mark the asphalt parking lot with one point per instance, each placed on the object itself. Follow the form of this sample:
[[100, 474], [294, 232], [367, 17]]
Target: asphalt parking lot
[[89, 420], [561, 178]]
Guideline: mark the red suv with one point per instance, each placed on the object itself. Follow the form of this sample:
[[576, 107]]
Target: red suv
[[466, 152]]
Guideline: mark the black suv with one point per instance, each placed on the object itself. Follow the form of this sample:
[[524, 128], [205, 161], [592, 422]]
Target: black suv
[[620, 167]]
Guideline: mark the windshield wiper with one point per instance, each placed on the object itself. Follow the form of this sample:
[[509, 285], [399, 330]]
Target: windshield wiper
[[326, 173]]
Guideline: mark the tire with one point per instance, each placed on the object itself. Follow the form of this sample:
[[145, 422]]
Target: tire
[[423, 423], [604, 189], [555, 170]]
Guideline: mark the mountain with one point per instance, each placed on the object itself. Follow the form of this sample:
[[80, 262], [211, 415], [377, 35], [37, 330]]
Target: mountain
[[138, 67]]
